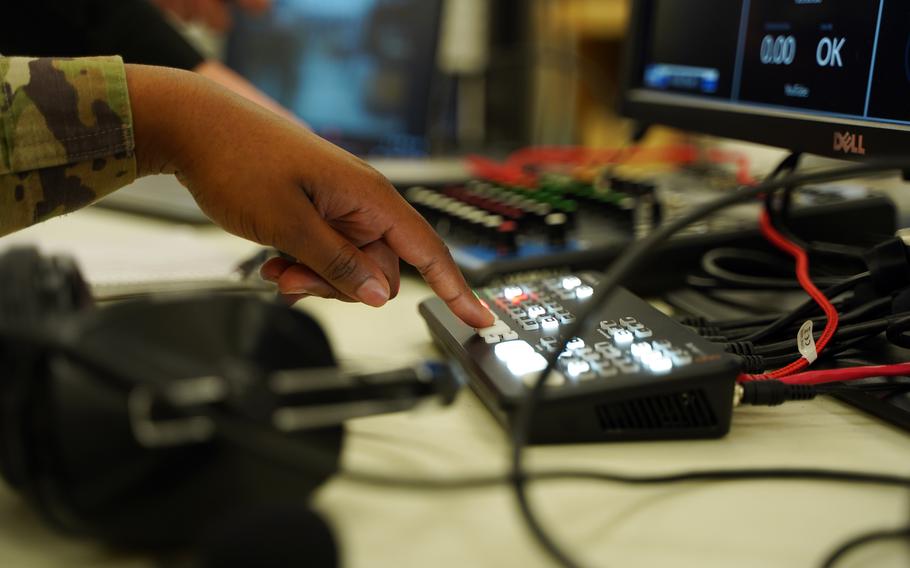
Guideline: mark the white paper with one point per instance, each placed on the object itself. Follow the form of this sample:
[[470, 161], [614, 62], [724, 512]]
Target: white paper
[[121, 254]]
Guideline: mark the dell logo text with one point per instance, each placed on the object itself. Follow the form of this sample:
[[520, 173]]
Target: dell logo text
[[849, 143]]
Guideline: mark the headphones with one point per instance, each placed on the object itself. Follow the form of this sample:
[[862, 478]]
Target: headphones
[[69, 378]]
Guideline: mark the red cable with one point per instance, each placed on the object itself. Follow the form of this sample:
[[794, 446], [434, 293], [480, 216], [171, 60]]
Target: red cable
[[805, 280], [522, 168], [849, 374]]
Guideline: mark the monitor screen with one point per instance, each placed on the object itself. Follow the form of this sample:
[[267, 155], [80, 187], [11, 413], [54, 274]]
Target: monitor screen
[[357, 71], [825, 76]]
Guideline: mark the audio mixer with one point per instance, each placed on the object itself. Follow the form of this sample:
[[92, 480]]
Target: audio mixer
[[496, 230]]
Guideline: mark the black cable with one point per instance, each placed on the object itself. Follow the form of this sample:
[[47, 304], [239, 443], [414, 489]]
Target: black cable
[[625, 264], [713, 260], [776, 211], [299, 457], [865, 329], [862, 540], [806, 308], [881, 384], [752, 323], [897, 333], [774, 393], [832, 350], [877, 309], [872, 309]]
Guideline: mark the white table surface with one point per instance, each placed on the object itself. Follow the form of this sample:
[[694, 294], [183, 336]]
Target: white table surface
[[743, 524]]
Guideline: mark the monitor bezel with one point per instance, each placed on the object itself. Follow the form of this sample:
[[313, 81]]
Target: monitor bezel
[[784, 128]]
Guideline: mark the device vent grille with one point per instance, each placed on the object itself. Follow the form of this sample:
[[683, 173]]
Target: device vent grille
[[686, 410]]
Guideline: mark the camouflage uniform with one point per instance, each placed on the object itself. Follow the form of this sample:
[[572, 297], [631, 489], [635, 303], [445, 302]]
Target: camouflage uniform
[[66, 136]]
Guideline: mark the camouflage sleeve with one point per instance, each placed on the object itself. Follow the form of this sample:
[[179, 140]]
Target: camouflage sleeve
[[66, 136]]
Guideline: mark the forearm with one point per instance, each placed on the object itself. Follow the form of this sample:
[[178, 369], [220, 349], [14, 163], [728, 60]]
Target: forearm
[[66, 136], [179, 117], [182, 120]]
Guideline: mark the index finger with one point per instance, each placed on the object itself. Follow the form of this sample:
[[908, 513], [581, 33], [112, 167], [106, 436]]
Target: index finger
[[412, 238]]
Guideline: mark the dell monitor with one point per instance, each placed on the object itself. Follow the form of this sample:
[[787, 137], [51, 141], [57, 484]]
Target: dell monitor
[[829, 77]]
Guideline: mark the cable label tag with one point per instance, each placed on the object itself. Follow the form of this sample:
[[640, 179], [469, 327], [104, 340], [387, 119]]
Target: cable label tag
[[805, 342]]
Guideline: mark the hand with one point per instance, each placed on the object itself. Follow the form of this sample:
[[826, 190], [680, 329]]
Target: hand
[[272, 181], [213, 13]]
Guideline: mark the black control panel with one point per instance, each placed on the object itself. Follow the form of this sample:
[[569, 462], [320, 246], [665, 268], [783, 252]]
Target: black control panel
[[635, 374]]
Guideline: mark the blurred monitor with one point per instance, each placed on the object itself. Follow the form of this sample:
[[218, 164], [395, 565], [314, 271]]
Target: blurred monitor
[[359, 72], [831, 77]]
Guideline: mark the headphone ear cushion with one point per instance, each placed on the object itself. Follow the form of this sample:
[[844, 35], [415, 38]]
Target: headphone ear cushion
[[69, 290], [34, 290], [36, 287]]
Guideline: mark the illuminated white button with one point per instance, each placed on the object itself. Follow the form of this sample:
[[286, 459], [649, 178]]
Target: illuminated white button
[[640, 349], [575, 343], [536, 311], [510, 350], [530, 364], [512, 292], [577, 367], [661, 365], [571, 282], [498, 327], [549, 323], [651, 357], [583, 292], [623, 337], [520, 358]]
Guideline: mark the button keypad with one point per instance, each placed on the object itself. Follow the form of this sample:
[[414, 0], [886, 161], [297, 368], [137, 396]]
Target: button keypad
[[539, 313]]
